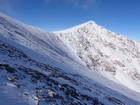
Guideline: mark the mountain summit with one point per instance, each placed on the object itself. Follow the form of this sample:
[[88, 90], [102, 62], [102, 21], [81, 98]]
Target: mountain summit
[[114, 56], [83, 65]]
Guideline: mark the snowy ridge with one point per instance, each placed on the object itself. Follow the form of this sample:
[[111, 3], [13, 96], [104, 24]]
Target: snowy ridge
[[41, 41], [63, 69]]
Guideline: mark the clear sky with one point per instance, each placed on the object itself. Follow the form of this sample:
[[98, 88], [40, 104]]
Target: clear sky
[[120, 16]]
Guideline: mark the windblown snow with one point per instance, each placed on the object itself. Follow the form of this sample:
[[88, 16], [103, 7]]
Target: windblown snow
[[83, 65]]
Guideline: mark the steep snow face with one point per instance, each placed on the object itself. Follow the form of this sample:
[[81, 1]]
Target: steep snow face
[[114, 56], [38, 40]]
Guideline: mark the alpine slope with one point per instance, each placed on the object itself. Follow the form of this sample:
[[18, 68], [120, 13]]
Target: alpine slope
[[83, 65]]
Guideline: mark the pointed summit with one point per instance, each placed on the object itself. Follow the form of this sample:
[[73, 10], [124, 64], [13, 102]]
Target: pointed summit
[[86, 24], [90, 22]]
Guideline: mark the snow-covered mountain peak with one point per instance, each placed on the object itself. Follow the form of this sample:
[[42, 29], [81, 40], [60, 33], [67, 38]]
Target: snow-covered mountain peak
[[88, 24], [114, 56], [86, 64]]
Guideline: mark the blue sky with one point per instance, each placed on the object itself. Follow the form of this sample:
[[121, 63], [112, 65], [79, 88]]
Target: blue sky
[[120, 16]]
